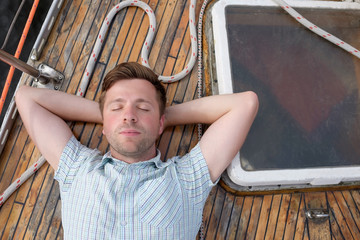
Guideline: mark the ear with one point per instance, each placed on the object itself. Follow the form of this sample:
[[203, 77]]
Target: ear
[[161, 124]]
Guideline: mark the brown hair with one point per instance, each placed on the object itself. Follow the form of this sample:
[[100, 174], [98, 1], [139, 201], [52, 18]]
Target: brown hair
[[133, 70]]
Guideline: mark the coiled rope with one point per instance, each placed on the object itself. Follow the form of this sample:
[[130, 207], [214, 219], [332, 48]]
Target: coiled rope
[[147, 44]]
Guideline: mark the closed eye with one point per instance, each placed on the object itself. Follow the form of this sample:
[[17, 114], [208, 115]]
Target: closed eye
[[144, 109], [116, 108], [143, 106]]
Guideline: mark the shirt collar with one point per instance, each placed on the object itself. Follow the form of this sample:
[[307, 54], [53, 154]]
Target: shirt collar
[[107, 158]]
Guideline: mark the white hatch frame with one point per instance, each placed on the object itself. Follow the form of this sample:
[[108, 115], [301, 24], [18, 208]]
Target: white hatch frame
[[313, 176]]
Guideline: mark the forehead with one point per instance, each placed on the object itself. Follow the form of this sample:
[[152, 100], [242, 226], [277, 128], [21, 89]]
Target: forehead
[[131, 90]]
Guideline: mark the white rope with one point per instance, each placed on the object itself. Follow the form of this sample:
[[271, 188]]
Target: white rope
[[200, 89], [200, 66], [147, 45], [18, 182], [338, 42]]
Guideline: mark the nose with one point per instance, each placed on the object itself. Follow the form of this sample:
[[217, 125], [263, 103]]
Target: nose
[[129, 115]]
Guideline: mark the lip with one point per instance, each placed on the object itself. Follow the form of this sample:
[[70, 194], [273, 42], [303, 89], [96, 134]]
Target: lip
[[129, 132]]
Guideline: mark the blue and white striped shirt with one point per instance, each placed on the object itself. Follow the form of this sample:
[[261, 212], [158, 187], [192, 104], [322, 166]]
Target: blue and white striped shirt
[[105, 198]]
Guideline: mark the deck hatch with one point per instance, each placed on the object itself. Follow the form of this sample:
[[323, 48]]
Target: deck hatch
[[308, 126]]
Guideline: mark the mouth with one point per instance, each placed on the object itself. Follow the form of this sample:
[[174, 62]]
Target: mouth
[[129, 132]]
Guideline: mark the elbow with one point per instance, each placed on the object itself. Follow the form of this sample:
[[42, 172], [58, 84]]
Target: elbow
[[252, 101], [20, 95], [23, 97]]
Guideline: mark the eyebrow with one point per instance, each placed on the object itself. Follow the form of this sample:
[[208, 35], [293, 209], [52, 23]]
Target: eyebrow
[[138, 100]]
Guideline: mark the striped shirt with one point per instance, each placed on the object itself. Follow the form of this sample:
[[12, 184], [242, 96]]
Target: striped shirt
[[105, 198]]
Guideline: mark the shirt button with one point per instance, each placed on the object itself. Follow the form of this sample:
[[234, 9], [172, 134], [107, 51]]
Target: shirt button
[[123, 223]]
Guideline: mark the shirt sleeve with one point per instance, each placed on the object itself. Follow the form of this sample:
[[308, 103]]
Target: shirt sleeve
[[73, 158], [194, 175]]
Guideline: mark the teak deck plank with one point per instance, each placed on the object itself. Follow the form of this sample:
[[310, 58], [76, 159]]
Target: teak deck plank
[[39, 208], [55, 223], [292, 216], [225, 216], [244, 217], [336, 232], [8, 149], [273, 216], [77, 73], [34, 154], [180, 32], [34, 210], [48, 212], [64, 32], [350, 218], [135, 54], [254, 218], [159, 43], [71, 47], [264, 216], [301, 229], [353, 208], [10, 229], [235, 217], [88, 34], [16, 152], [317, 229], [7, 208], [31, 200], [216, 213], [341, 220], [283, 212], [208, 208], [131, 34]]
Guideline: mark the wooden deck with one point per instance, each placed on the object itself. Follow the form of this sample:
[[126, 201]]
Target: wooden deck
[[34, 210]]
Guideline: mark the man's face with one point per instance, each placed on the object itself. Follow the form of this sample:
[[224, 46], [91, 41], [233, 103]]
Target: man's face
[[131, 120]]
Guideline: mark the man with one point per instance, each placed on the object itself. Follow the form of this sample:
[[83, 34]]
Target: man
[[129, 193]]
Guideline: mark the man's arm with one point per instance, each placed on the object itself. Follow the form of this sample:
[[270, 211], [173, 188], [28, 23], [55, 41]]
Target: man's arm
[[230, 118], [44, 112]]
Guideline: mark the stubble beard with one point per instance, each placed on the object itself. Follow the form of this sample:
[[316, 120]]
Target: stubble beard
[[132, 147]]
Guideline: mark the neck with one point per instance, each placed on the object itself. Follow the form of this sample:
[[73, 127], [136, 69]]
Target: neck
[[134, 157]]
